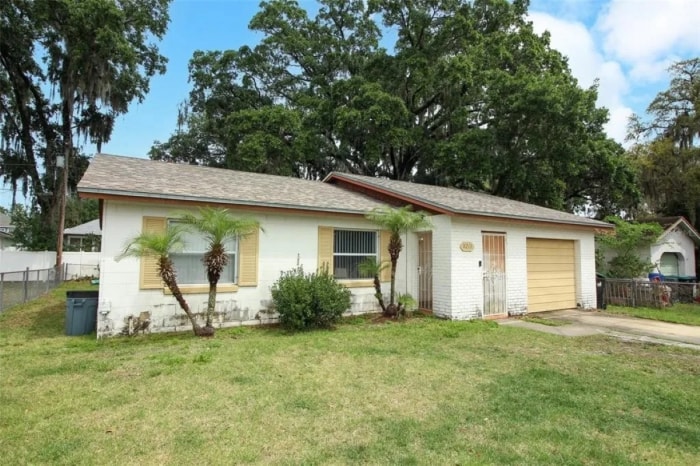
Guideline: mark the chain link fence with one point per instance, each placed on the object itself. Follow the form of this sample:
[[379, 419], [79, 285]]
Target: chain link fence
[[22, 286]]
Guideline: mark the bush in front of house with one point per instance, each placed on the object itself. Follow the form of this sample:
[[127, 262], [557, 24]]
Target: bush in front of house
[[308, 301]]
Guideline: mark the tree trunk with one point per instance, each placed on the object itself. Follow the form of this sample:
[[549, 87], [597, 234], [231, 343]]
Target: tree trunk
[[167, 274], [395, 247], [378, 293], [214, 260], [211, 303]]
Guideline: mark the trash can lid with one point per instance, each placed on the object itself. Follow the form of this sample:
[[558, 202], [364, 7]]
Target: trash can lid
[[81, 294]]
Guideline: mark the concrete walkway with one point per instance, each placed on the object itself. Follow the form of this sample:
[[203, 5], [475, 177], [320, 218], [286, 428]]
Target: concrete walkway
[[582, 323]]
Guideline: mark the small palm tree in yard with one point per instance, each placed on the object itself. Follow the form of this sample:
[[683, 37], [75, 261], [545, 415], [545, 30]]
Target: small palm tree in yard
[[218, 227], [397, 221], [371, 268], [159, 246]]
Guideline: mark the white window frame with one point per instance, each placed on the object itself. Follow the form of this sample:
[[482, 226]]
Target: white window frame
[[377, 247], [231, 252]]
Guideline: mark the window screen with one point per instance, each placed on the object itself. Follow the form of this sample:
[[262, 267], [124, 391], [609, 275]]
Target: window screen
[[350, 248], [188, 263]]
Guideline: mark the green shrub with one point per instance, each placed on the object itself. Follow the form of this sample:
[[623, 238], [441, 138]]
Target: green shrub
[[306, 301]]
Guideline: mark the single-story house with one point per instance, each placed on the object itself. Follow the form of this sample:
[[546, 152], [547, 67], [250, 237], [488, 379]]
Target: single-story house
[[83, 237], [6, 228], [484, 257], [674, 253]]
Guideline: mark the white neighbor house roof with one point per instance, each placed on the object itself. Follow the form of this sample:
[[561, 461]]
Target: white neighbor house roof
[[670, 224], [88, 228]]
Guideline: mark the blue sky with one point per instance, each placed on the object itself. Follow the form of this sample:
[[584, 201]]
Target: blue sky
[[625, 44]]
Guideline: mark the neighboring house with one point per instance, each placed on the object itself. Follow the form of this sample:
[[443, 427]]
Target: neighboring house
[[84, 237], [485, 257], [674, 253], [6, 241]]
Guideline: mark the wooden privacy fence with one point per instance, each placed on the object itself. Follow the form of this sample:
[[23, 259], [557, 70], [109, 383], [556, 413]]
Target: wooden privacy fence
[[643, 293]]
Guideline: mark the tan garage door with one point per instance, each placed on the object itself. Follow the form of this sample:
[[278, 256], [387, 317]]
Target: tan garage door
[[551, 275]]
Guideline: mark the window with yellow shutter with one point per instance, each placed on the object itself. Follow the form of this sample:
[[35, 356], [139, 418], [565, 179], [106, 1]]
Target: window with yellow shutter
[[242, 268], [188, 262], [341, 251], [350, 249]]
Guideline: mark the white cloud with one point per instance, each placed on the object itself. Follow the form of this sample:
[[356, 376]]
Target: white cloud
[[644, 34], [587, 64], [653, 71], [616, 127]]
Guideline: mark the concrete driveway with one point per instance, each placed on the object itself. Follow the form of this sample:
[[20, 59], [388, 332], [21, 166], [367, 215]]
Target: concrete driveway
[[581, 323]]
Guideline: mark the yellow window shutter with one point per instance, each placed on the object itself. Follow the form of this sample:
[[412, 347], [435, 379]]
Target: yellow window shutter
[[384, 259], [150, 279], [248, 252], [325, 249]]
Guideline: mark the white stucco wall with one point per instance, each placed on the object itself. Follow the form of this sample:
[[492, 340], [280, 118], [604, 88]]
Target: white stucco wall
[[288, 240], [676, 242], [458, 284]]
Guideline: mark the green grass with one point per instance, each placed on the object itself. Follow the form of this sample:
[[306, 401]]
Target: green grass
[[424, 391], [688, 314]]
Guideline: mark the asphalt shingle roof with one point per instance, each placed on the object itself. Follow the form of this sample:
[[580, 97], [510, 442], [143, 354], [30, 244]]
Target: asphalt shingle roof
[[128, 176], [460, 201]]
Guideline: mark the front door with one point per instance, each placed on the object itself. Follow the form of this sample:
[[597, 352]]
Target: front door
[[494, 248], [425, 270]]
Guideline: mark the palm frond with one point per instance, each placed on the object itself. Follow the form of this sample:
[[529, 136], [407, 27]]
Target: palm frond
[[149, 244], [370, 267], [217, 225], [398, 220]]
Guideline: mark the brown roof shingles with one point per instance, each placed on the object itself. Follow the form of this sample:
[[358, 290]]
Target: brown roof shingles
[[460, 201], [128, 176]]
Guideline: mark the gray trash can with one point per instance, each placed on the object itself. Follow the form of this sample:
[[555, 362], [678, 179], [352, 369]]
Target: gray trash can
[[81, 312]]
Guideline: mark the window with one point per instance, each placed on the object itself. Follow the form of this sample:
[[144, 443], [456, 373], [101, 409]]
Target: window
[[350, 248], [188, 263]]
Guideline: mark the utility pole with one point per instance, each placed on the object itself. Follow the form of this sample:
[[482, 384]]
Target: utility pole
[[61, 215]]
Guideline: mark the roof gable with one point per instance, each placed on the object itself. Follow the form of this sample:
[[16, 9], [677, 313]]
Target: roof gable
[[671, 224], [88, 228], [453, 201]]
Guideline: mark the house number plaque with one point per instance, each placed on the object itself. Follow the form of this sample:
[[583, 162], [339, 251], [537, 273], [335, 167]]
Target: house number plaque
[[466, 246]]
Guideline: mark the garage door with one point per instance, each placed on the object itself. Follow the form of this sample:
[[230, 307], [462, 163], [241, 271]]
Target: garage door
[[551, 275]]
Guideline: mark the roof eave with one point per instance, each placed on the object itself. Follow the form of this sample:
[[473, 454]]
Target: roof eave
[[449, 211], [687, 226], [210, 200], [598, 223]]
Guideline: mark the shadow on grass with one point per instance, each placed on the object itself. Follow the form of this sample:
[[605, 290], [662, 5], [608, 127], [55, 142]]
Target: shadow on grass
[[47, 322]]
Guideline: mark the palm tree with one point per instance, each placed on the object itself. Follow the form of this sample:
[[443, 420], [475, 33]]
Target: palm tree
[[160, 245], [217, 227], [372, 268], [397, 221]]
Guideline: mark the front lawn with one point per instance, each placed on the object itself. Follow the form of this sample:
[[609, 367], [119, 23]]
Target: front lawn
[[688, 314], [422, 392]]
